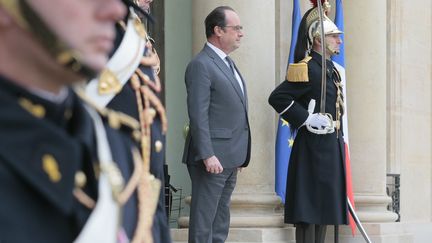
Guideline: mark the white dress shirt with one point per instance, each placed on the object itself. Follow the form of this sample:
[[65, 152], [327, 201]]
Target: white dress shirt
[[223, 56]]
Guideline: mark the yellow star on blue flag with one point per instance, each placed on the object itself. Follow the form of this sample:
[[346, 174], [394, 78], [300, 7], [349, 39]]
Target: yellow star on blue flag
[[291, 142], [285, 133]]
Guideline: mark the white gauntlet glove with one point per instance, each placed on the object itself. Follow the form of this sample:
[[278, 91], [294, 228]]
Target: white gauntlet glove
[[318, 123]]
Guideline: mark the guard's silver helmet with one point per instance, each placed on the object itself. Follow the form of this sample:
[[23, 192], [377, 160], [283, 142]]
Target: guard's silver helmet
[[329, 28], [313, 23]]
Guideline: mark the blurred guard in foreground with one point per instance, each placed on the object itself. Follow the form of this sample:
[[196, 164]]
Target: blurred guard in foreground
[[69, 172], [130, 84]]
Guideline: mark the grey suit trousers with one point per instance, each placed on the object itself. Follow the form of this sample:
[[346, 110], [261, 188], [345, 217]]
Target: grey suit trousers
[[210, 218]]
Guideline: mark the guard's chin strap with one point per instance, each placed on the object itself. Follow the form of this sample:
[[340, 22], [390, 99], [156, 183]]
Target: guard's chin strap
[[76, 66], [64, 55], [331, 51]]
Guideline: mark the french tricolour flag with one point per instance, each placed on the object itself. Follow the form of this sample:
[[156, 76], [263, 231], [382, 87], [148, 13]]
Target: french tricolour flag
[[339, 61]]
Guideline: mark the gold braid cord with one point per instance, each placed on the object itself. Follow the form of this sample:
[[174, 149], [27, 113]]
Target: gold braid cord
[[156, 86], [149, 105], [157, 104], [149, 187], [340, 106], [115, 120], [149, 88]]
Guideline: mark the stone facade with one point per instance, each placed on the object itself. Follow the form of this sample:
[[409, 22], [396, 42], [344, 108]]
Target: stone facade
[[388, 47]]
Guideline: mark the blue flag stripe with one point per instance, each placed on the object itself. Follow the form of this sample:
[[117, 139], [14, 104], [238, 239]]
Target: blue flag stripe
[[284, 133], [340, 59], [296, 18]]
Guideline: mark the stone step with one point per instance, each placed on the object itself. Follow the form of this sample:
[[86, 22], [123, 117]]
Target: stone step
[[382, 233], [290, 241], [246, 221], [246, 235]]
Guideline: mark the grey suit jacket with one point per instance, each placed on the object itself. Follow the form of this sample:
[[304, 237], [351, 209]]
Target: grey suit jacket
[[218, 114]]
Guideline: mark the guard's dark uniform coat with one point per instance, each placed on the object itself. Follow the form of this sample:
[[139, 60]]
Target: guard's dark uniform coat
[[316, 191], [42, 146], [126, 102]]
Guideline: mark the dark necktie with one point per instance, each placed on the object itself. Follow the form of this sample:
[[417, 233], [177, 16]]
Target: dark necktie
[[231, 64]]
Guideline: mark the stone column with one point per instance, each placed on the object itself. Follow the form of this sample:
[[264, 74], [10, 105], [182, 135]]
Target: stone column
[[256, 214], [366, 72], [366, 62]]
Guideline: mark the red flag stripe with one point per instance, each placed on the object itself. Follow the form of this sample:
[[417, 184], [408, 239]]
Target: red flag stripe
[[349, 188]]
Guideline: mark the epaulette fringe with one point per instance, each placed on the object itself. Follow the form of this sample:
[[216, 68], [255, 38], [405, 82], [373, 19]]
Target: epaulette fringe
[[298, 72]]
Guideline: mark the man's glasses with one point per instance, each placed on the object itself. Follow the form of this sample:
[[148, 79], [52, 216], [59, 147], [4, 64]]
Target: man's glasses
[[237, 28]]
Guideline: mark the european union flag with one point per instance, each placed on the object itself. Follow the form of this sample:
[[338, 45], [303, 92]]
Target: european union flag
[[285, 135]]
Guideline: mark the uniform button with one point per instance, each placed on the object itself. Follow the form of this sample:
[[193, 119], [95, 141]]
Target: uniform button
[[80, 179], [68, 114], [185, 130], [158, 146]]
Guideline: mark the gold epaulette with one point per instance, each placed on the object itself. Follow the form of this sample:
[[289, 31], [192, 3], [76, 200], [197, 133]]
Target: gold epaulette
[[298, 72]]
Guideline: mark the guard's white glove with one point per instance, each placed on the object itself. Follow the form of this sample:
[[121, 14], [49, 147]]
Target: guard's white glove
[[318, 123]]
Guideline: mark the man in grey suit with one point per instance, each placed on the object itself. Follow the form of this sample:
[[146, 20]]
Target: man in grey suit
[[218, 142]]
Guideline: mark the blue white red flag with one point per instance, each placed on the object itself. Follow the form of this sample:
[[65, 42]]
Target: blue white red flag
[[339, 61]]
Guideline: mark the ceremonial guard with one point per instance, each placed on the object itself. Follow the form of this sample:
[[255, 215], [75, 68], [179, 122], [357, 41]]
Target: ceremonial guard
[[130, 84], [69, 170], [313, 104]]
